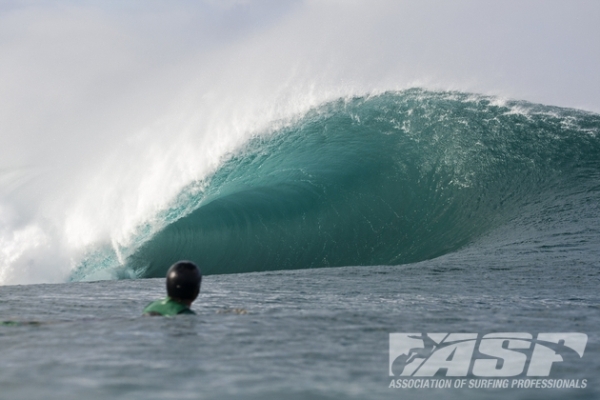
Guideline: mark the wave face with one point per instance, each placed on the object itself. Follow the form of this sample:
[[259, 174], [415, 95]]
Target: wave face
[[386, 179]]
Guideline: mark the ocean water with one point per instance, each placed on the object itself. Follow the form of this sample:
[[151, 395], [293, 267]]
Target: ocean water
[[302, 334], [396, 212]]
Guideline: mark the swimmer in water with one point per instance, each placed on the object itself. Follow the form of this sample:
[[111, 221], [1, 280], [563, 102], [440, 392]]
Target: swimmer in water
[[183, 286]]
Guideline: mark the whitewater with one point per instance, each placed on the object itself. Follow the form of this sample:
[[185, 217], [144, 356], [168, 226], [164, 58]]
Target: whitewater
[[340, 173]]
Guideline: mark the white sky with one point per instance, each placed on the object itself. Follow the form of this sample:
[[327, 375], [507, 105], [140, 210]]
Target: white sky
[[539, 50]]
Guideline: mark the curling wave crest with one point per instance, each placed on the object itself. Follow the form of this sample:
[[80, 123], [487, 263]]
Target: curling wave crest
[[386, 179]]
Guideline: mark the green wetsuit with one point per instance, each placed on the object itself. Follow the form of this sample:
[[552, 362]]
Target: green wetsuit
[[167, 307]]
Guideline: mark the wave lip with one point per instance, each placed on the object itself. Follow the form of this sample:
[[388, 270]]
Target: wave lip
[[381, 180]]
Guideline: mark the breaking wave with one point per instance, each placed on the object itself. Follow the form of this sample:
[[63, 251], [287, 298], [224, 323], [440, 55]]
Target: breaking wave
[[386, 179]]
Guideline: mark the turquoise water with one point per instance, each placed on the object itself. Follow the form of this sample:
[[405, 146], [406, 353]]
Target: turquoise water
[[389, 179]]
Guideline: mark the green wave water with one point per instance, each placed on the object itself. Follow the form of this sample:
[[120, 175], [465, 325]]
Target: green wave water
[[386, 179]]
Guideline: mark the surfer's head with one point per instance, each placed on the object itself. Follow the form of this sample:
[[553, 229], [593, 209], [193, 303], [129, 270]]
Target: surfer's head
[[183, 281]]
